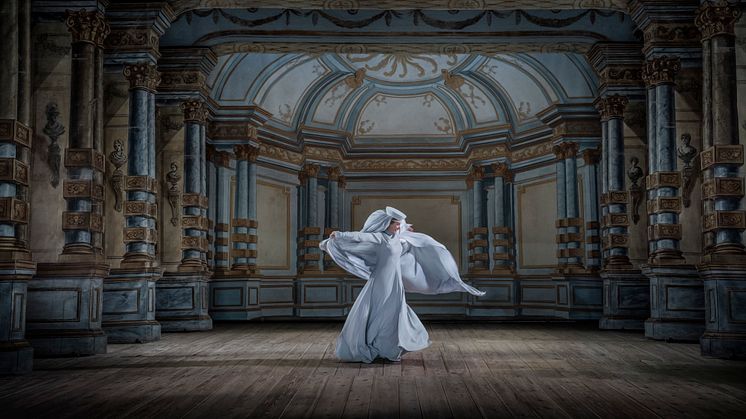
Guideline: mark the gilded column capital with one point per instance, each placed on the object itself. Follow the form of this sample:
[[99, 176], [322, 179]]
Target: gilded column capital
[[253, 153], [660, 70], [717, 19], [477, 173], [565, 150], [87, 26], [502, 170], [342, 181], [613, 106], [311, 169], [142, 76], [242, 151], [334, 173], [194, 111], [211, 153], [302, 176], [223, 158], [252, 132], [591, 156]]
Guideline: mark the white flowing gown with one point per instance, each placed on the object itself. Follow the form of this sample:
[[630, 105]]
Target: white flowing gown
[[380, 323]]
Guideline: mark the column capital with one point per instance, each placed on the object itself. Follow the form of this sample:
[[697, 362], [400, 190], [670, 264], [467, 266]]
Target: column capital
[[717, 19], [342, 181], [591, 156], [612, 106], [565, 150], [242, 151], [334, 173], [311, 169], [211, 153], [477, 172], [142, 76], [87, 26], [223, 158], [502, 170], [660, 70], [253, 153], [194, 111]]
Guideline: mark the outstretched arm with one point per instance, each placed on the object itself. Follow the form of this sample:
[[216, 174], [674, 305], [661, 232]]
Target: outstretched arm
[[356, 236]]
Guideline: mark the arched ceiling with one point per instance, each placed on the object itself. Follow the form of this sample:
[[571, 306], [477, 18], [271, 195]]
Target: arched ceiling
[[402, 100]]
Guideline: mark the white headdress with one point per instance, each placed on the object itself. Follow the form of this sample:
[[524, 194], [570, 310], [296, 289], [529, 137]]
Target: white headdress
[[379, 220]]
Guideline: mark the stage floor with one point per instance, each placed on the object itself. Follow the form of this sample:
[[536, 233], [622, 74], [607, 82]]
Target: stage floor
[[474, 369]]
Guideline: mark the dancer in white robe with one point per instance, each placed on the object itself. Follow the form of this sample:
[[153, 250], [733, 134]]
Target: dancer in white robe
[[393, 259]]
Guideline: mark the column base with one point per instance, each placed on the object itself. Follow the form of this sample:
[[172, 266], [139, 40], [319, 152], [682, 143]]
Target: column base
[[129, 306], [64, 309], [182, 302], [16, 358], [725, 319], [626, 300], [677, 306]]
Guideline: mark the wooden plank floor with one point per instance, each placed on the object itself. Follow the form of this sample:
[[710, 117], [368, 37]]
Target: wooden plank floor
[[472, 370]]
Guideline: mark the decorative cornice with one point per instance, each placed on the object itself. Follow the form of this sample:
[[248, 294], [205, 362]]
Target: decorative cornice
[[671, 34], [612, 106], [715, 19], [142, 76], [182, 80], [194, 111], [660, 70], [87, 26]]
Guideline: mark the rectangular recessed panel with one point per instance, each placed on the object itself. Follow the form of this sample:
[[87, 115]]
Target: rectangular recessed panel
[[562, 294], [355, 290], [320, 294], [538, 294], [151, 299], [47, 305], [499, 293], [18, 312], [121, 301], [227, 297], [737, 305], [633, 296], [587, 296], [177, 298], [253, 296], [276, 294], [685, 298]]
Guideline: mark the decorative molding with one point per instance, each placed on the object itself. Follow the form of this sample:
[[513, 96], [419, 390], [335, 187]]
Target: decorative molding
[[117, 158], [721, 154], [182, 80], [173, 194], [53, 129], [612, 106], [133, 39]]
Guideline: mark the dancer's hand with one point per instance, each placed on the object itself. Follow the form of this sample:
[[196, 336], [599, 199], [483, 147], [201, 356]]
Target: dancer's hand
[[333, 235], [410, 228]]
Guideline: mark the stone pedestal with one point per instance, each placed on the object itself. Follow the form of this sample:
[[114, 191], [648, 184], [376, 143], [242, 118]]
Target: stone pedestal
[[677, 306], [725, 315], [626, 300], [129, 306], [181, 302], [16, 354], [64, 310]]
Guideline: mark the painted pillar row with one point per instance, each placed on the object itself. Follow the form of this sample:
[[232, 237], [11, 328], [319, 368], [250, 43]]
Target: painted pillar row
[[83, 186], [312, 231], [194, 200], [140, 208], [302, 215], [16, 266], [478, 236], [240, 220], [593, 259], [723, 265], [604, 181], [333, 192], [502, 233], [560, 224], [663, 178], [222, 210], [616, 219], [574, 237]]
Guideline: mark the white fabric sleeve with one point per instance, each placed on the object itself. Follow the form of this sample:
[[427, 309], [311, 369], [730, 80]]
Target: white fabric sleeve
[[359, 237]]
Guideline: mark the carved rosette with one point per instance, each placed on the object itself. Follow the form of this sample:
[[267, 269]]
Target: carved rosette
[[194, 111], [715, 19], [87, 26], [660, 70], [142, 76], [612, 106]]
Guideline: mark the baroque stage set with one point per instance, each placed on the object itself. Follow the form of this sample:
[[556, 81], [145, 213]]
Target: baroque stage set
[[167, 164]]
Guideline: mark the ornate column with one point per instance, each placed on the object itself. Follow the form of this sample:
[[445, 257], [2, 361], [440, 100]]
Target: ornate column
[[591, 158], [502, 233], [223, 211], [253, 223], [130, 290], [560, 223], [240, 221], [478, 243], [16, 266], [723, 265], [676, 298], [82, 267], [182, 297], [573, 238], [626, 290], [194, 239], [334, 173], [212, 204], [311, 231]]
